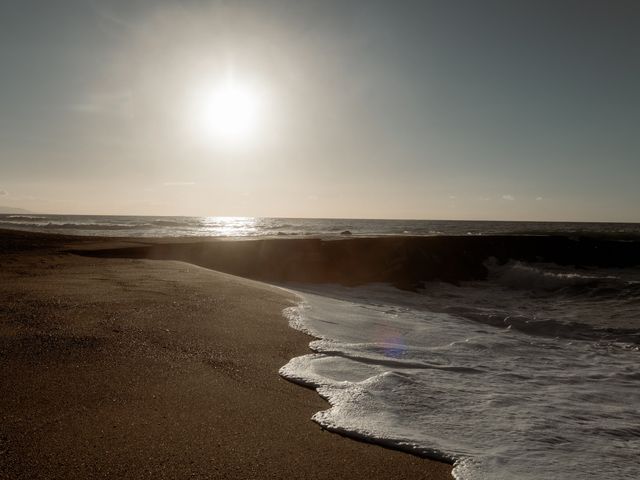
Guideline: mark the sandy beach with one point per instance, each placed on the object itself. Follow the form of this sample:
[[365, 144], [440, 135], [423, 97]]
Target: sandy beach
[[135, 368]]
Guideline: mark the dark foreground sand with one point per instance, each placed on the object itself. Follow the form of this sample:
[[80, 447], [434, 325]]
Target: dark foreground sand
[[131, 368]]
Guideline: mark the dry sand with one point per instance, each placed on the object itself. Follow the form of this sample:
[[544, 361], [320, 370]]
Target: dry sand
[[131, 368]]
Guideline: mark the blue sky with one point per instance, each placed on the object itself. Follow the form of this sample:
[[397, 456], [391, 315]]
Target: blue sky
[[522, 110]]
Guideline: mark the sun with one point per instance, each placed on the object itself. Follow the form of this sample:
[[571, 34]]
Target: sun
[[229, 113]]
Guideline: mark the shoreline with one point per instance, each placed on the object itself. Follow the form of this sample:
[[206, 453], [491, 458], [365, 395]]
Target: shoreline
[[131, 368]]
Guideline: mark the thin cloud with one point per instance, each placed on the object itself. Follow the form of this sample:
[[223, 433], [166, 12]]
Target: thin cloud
[[111, 18], [509, 198], [538, 199], [178, 184], [105, 103]]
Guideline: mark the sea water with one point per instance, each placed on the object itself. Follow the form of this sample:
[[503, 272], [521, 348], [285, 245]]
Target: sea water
[[531, 374], [149, 226]]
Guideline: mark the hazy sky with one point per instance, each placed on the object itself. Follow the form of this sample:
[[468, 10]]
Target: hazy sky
[[524, 110]]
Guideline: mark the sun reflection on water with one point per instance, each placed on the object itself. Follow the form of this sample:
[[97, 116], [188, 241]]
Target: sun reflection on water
[[230, 226]]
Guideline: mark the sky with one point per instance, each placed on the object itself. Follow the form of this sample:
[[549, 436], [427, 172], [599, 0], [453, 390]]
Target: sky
[[431, 109]]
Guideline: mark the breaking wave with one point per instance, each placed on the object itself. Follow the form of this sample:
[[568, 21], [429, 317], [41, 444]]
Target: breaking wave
[[519, 397]]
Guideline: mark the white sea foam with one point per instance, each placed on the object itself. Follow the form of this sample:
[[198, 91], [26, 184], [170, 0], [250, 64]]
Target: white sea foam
[[499, 402]]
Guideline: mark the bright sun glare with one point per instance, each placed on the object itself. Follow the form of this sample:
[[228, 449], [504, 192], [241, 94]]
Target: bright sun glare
[[229, 113]]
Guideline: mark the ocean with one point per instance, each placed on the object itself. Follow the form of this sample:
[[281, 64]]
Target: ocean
[[147, 226], [531, 373]]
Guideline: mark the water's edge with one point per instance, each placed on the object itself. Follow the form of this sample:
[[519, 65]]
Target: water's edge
[[419, 373], [288, 372]]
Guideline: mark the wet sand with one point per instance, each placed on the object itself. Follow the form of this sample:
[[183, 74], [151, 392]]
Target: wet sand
[[135, 368]]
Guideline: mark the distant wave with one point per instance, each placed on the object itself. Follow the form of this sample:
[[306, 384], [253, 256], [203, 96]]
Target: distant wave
[[70, 226], [278, 226], [20, 225], [90, 226], [174, 223], [26, 218]]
